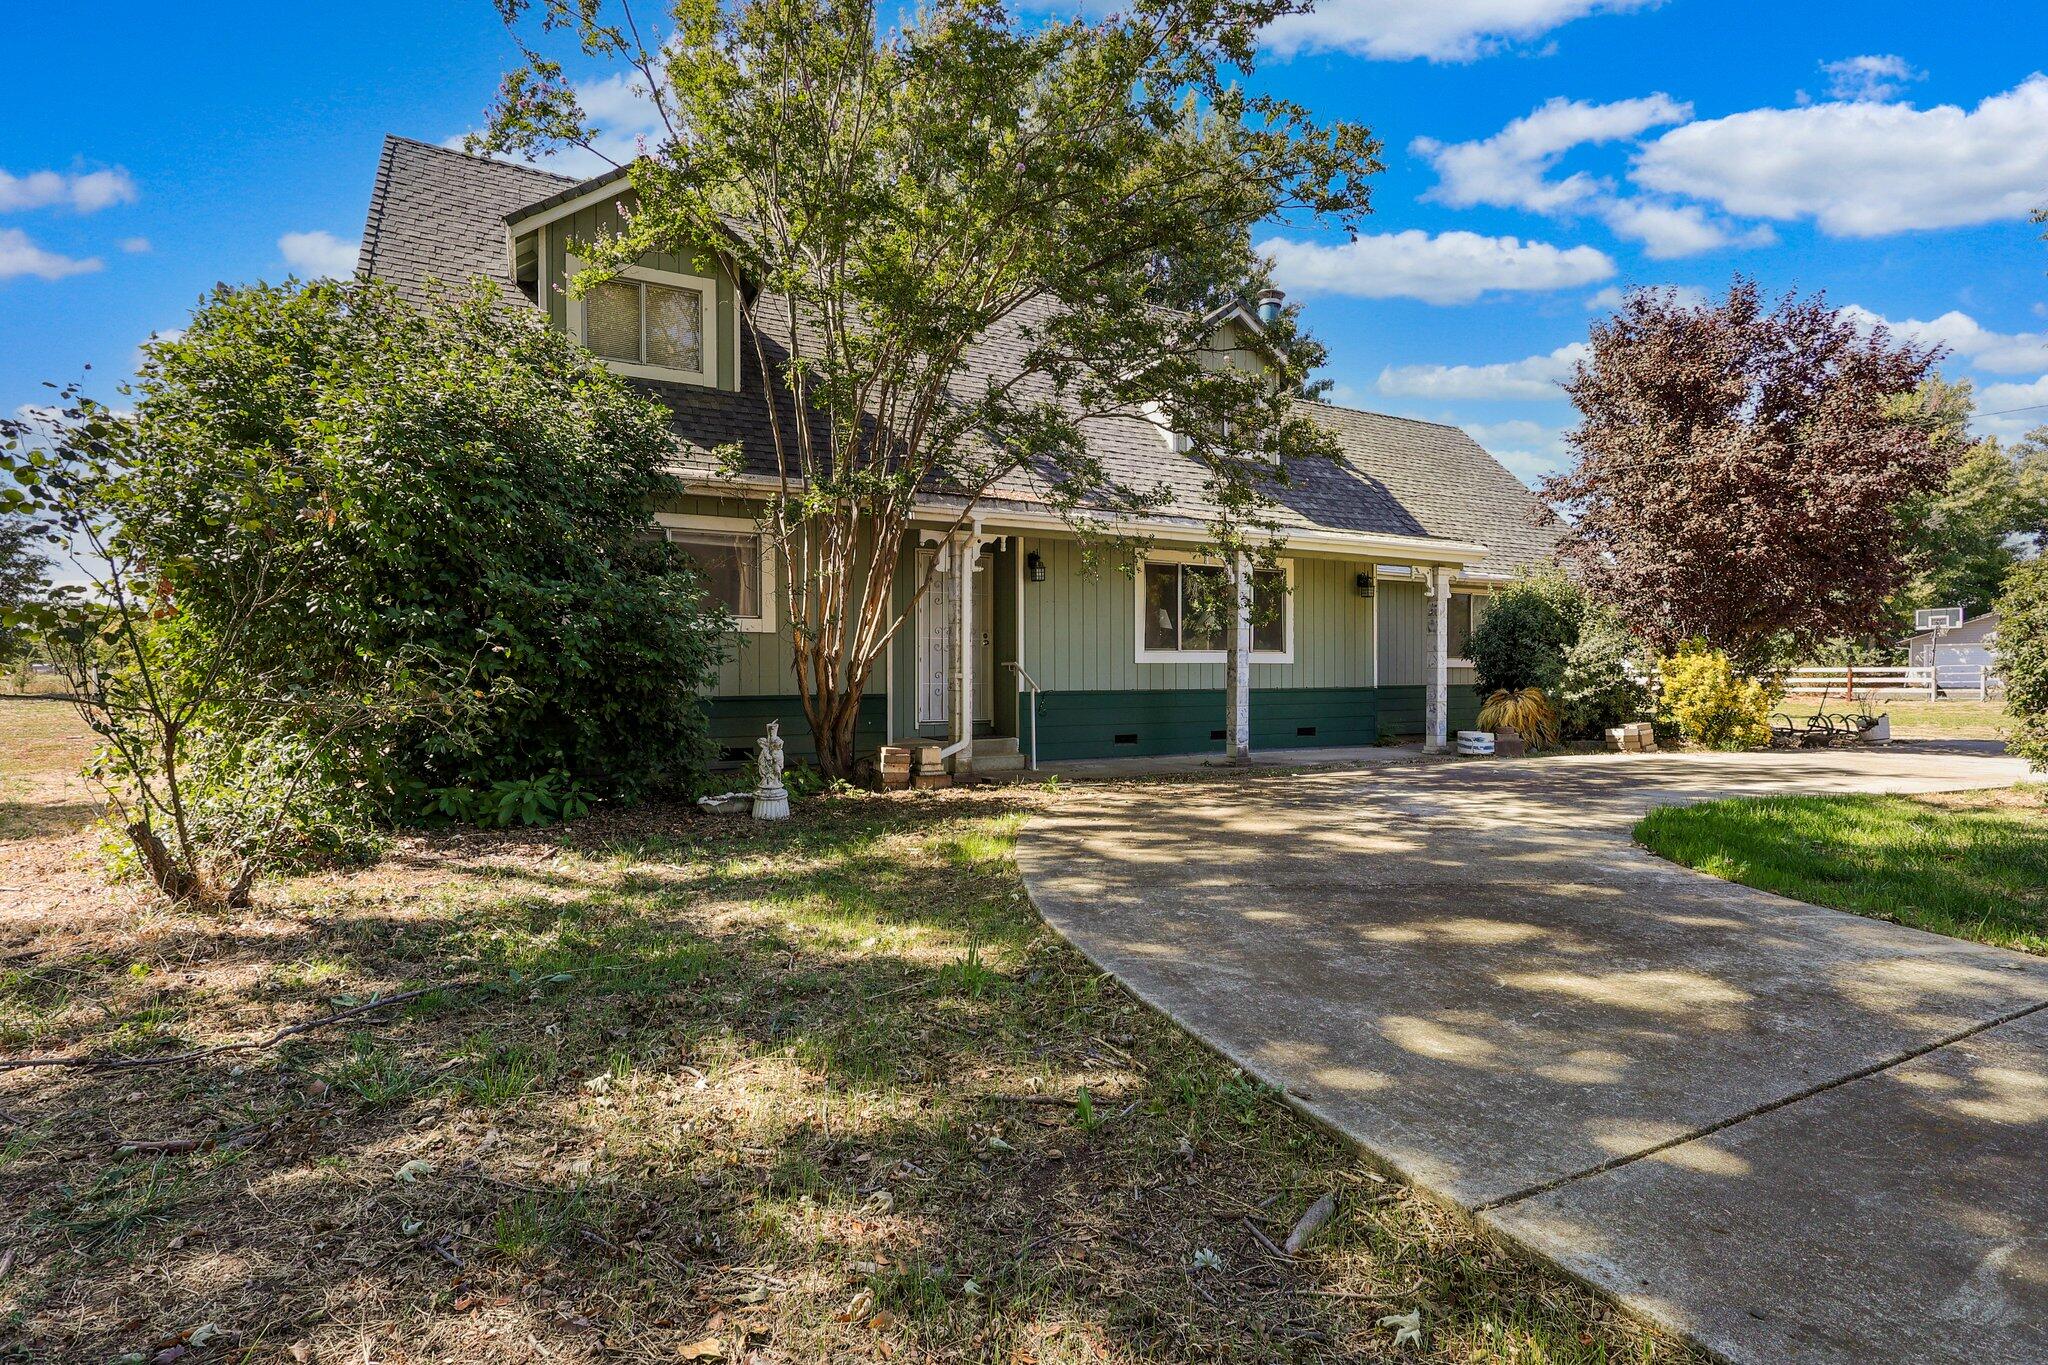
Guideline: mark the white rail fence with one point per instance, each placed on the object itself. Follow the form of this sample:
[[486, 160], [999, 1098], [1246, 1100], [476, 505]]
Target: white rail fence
[[1948, 680]]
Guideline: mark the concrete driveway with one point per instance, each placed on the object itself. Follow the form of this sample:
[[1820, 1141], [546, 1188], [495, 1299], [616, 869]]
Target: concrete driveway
[[1789, 1133]]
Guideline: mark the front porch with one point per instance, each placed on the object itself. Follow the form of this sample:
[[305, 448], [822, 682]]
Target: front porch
[[1059, 659]]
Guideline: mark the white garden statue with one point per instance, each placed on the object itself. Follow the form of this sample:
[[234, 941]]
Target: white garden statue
[[771, 798]]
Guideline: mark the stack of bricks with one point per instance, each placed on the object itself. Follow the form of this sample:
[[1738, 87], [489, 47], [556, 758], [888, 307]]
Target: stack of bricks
[[914, 765], [1637, 738], [930, 768]]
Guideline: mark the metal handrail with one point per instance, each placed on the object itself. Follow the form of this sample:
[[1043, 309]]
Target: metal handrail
[[1031, 683]]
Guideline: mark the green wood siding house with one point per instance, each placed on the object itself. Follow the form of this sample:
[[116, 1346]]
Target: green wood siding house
[[1388, 559]]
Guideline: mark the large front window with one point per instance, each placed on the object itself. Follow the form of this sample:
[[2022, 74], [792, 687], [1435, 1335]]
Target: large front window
[[729, 564], [732, 560], [1185, 609]]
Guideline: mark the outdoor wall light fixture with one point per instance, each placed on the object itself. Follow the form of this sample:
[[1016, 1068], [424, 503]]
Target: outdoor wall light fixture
[[1365, 585], [1034, 567]]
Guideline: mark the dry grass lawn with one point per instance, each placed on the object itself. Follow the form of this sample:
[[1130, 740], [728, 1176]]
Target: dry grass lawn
[[1917, 717], [681, 1089]]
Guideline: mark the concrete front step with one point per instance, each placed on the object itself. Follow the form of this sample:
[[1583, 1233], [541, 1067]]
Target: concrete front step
[[985, 762]]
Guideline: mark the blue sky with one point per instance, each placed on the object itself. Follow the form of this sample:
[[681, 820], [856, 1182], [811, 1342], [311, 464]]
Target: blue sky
[[1541, 153]]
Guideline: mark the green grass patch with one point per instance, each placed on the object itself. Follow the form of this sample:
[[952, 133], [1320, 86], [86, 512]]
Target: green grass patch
[[1916, 717], [373, 1074], [1971, 865]]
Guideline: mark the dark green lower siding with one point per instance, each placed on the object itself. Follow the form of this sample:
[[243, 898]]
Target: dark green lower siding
[[1405, 709], [1121, 724], [736, 722]]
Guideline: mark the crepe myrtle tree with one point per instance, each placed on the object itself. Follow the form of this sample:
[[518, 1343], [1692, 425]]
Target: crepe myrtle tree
[[890, 198], [1739, 470]]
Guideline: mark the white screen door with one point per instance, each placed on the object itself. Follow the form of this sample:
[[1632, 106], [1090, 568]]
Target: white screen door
[[938, 615]]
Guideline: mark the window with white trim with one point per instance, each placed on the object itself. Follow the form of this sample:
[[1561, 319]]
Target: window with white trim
[[1466, 610], [647, 324], [1184, 611], [731, 557], [654, 324]]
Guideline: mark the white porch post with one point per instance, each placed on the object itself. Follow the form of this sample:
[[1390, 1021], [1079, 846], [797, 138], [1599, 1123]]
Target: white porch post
[[966, 550], [1437, 734], [1237, 666]]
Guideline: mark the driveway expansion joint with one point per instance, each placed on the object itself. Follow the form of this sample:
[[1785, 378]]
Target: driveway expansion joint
[[1758, 1111]]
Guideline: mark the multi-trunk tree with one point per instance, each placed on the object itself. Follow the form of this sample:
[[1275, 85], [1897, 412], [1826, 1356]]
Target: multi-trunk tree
[[1740, 469], [895, 200]]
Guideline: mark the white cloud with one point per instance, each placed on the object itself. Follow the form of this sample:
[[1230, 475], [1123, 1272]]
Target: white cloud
[[1998, 352], [1448, 267], [83, 192], [1440, 30], [1615, 295], [619, 105], [319, 255], [20, 256], [2010, 411], [1877, 77], [1530, 450], [1668, 231], [1511, 169], [135, 246], [1864, 169], [1538, 376]]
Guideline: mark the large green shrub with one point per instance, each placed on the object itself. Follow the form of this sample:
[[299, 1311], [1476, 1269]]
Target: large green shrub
[[1520, 641], [2023, 659], [1711, 703], [459, 488], [1544, 631], [1602, 683]]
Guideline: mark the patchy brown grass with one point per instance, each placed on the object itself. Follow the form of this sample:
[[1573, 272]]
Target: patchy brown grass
[[42, 746], [819, 1091]]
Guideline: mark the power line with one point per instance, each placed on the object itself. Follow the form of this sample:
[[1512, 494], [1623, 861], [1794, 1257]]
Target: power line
[[2007, 412]]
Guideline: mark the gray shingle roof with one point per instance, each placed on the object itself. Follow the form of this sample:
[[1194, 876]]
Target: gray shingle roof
[[1450, 483], [440, 214]]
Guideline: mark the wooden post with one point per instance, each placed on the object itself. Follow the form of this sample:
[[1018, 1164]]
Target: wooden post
[[1237, 666], [1438, 732], [963, 648]]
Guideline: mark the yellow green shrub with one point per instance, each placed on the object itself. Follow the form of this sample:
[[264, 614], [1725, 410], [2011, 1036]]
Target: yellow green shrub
[[1710, 703]]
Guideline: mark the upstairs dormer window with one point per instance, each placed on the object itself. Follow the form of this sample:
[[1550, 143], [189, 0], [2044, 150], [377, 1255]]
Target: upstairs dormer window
[[654, 324], [647, 324]]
